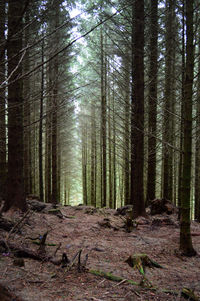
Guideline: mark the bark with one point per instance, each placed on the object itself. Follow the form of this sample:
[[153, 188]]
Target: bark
[[41, 130], [3, 164], [110, 154], [180, 168], [114, 154], [54, 196], [93, 157], [54, 151], [126, 138], [167, 152], [103, 127], [185, 234], [27, 115], [48, 153], [15, 196], [152, 110], [84, 163], [197, 152], [137, 114]]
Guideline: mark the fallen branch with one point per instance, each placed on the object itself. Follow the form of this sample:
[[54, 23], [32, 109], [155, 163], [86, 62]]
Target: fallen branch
[[119, 279], [17, 225], [23, 252], [112, 277], [189, 294]]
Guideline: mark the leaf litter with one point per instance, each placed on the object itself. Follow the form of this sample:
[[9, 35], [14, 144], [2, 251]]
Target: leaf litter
[[102, 238]]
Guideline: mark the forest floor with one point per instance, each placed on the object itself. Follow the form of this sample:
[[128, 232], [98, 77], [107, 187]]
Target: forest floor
[[100, 234]]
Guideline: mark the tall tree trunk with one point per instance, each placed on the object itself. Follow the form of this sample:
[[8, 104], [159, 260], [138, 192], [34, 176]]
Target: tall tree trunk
[[59, 187], [48, 152], [167, 153], [3, 164], [197, 151], [27, 114], [15, 196], [54, 152], [114, 152], [103, 125], [84, 163], [41, 130], [152, 110], [137, 114], [54, 197], [110, 174], [185, 235], [180, 167], [93, 157], [126, 138]]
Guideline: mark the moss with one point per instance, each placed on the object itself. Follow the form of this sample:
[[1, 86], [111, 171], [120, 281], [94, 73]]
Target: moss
[[110, 276], [141, 261]]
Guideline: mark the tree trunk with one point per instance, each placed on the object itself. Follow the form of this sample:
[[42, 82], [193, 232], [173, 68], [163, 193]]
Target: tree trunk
[[15, 196], [152, 110], [54, 159], [84, 163], [167, 152], [180, 167], [41, 130], [48, 153], [126, 138], [27, 114], [103, 125], [110, 141], [54, 151], [3, 164], [93, 157], [114, 153], [185, 235], [197, 152], [137, 114]]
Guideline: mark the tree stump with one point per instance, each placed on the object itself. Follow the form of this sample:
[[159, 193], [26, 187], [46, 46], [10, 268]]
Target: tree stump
[[141, 261]]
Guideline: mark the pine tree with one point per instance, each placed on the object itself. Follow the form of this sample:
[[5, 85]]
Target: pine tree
[[2, 103], [152, 109], [137, 114], [185, 235], [15, 195]]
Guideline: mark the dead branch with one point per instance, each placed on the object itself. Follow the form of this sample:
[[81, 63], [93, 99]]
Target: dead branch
[[17, 225]]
